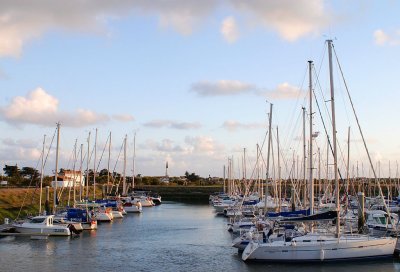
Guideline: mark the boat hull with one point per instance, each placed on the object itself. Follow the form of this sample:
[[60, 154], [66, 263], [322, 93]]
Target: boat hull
[[343, 250], [54, 231]]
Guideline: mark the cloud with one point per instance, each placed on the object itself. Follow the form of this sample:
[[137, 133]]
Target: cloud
[[202, 144], [232, 125], [40, 108], [166, 145], [382, 38], [13, 153], [229, 30], [291, 19], [25, 143], [23, 21], [172, 124], [222, 88], [236, 87], [284, 91], [123, 117]]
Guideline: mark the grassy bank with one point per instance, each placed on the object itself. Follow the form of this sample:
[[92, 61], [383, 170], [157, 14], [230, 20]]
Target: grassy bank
[[24, 201]]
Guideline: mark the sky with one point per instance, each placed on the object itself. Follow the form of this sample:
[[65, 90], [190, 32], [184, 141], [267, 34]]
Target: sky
[[193, 80]]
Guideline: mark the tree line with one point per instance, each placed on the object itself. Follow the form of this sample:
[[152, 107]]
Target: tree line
[[29, 176]]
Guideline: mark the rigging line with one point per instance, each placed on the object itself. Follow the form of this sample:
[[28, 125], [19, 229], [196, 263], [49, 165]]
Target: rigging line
[[362, 136], [115, 166], [26, 194], [286, 139], [105, 145], [326, 132]]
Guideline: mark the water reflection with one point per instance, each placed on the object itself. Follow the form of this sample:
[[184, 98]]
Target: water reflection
[[170, 237]]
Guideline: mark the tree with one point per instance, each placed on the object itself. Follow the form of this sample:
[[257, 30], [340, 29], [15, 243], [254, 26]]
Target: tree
[[192, 177], [103, 172], [11, 171], [30, 174]]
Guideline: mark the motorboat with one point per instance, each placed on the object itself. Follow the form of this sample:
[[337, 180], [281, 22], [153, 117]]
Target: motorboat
[[42, 225]]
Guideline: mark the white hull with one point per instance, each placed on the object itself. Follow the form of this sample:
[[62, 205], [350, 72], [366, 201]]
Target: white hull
[[104, 217], [42, 225], [133, 209], [308, 249], [89, 225], [117, 214]]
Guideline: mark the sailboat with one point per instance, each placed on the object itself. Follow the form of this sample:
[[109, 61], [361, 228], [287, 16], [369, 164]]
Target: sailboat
[[318, 246]]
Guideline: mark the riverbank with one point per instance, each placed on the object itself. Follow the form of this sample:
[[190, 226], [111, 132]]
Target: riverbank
[[20, 202]]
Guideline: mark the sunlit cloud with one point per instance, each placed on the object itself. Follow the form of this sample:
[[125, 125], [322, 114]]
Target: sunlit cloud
[[283, 91], [290, 19], [382, 38], [232, 125], [229, 30], [202, 144], [123, 117], [40, 108], [22, 21]]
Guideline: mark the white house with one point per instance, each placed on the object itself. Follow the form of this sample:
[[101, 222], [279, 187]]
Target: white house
[[67, 178]]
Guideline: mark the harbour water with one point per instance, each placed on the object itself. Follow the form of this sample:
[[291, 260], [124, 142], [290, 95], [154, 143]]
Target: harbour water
[[169, 237]]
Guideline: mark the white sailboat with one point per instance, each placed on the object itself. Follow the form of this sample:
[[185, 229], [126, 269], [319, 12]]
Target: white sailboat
[[317, 246]]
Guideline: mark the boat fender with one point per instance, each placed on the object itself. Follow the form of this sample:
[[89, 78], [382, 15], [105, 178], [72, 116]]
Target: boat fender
[[322, 255]]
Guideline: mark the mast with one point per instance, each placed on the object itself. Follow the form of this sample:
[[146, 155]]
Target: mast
[[108, 163], [81, 176], [310, 157], [94, 166], [87, 167], [348, 162], [335, 165], [279, 172], [304, 159], [269, 149], [124, 173], [41, 176], [224, 179], [134, 157], [56, 173], [74, 193]]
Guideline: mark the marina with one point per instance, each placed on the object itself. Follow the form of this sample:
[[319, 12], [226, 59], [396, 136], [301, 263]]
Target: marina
[[170, 237], [199, 136]]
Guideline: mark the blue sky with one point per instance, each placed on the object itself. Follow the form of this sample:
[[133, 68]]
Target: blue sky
[[192, 78]]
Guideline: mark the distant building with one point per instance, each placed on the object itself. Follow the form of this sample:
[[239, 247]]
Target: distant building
[[4, 183], [67, 179], [164, 179]]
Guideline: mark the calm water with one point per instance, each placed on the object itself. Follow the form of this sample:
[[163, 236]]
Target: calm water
[[170, 237]]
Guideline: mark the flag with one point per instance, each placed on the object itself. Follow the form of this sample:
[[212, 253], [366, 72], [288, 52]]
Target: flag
[[166, 165]]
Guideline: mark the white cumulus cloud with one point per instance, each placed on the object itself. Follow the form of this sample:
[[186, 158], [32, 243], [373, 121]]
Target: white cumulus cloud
[[22, 21], [291, 19], [40, 108], [229, 30], [382, 38], [284, 91]]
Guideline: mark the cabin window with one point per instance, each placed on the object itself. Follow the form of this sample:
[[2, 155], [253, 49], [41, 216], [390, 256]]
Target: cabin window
[[37, 220]]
